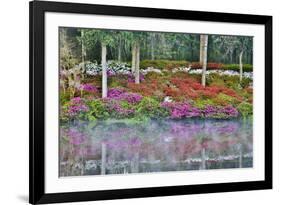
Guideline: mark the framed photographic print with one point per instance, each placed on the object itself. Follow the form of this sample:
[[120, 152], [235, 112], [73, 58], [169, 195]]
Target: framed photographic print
[[140, 102]]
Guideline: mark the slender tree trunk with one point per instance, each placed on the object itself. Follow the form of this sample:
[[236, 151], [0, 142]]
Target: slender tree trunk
[[135, 163], [133, 57], [104, 74], [191, 52], [201, 49], [203, 158], [119, 49], [241, 65], [103, 158], [240, 158], [83, 52], [231, 56], [204, 56], [152, 46], [137, 71]]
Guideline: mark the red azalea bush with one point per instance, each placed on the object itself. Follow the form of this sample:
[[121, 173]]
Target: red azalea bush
[[210, 66]]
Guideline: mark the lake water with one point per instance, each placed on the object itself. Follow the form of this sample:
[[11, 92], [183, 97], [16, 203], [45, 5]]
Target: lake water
[[123, 146]]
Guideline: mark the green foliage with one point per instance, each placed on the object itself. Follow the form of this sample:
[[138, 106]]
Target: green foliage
[[64, 97], [245, 82], [150, 107], [163, 64], [97, 110], [202, 103], [235, 67], [223, 99], [245, 109]]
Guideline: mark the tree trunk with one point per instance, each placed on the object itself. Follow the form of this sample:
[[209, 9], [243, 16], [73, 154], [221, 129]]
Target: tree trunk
[[203, 158], [104, 74], [137, 71], [204, 57], [83, 52], [119, 49], [241, 66], [133, 57], [103, 158], [201, 49], [152, 46]]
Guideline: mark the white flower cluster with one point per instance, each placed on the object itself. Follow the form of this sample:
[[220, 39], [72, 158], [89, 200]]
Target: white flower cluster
[[181, 69], [151, 69], [223, 72], [113, 67]]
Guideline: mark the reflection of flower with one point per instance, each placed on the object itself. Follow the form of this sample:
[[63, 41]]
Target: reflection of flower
[[158, 141], [76, 137]]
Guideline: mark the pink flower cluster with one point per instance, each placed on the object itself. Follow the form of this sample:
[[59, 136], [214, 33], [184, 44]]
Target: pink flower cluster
[[222, 112], [88, 87], [119, 94], [76, 106], [181, 110]]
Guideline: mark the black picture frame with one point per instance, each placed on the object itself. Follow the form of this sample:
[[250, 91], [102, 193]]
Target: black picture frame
[[37, 113]]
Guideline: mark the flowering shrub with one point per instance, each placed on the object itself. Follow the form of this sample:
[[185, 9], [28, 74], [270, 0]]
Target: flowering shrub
[[113, 68], [118, 109], [74, 108], [181, 110], [210, 66], [220, 112], [115, 92], [88, 87], [142, 88], [120, 94]]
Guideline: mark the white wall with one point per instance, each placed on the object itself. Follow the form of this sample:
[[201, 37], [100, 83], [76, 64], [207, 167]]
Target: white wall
[[14, 100]]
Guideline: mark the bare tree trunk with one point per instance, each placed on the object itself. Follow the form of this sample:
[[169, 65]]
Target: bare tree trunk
[[104, 74], [133, 57], [241, 66], [152, 46], [119, 49], [83, 52], [103, 158], [135, 163], [137, 71], [204, 55], [203, 158], [201, 49]]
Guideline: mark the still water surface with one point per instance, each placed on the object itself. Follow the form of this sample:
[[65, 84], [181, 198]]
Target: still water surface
[[122, 146]]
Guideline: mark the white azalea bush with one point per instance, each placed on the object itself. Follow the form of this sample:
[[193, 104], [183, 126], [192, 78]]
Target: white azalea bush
[[113, 67], [222, 72]]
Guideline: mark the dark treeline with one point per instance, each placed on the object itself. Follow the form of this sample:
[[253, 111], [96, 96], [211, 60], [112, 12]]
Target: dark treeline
[[85, 45]]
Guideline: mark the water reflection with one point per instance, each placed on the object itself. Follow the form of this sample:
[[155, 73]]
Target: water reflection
[[118, 147]]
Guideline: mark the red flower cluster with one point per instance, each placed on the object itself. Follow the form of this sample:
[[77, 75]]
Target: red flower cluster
[[210, 66]]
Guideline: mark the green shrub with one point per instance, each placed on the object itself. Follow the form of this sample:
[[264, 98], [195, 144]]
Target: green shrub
[[223, 99], [202, 103], [245, 109], [150, 107], [163, 64], [97, 110], [235, 67]]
